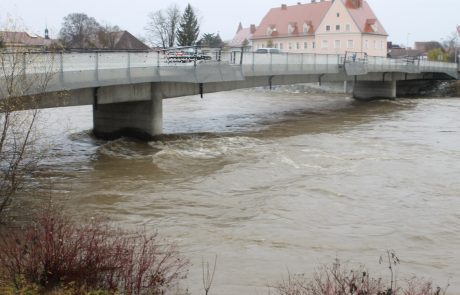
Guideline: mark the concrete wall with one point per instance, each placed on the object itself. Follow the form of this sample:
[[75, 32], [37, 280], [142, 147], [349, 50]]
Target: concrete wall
[[368, 90], [141, 119]]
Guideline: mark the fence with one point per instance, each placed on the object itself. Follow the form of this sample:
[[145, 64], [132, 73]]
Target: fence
[[94, 69]]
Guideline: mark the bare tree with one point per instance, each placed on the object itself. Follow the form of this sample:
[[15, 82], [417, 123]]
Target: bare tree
[[79, 31], [107, 36], [162, 26], [22, 74], [451, 43]]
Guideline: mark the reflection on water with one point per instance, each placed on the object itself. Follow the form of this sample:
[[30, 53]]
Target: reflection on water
[[271, 181]]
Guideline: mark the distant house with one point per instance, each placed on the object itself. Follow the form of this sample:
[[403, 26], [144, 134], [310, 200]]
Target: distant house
[[325, 27], [242, 39], [397, 51], [122, 40], [119, 41], [427, 46], [25, 41]]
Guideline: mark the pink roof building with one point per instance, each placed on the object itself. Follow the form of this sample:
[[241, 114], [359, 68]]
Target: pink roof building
[[24, 40], [324, 27], [243, 38]]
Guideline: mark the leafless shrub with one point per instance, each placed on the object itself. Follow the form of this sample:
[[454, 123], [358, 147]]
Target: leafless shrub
[[339, 280], [22, 74], [92, 255], [208, 274]]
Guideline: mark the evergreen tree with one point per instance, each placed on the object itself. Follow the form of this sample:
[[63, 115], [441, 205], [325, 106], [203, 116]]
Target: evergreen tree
[[188, 31], [211, 40]]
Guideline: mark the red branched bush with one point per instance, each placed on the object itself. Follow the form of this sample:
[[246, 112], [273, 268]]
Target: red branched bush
[[56, 251], [338, 280]]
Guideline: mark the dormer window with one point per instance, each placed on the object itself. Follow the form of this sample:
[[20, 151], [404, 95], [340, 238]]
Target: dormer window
[[290, 29], [306, 27], [270, 30], [375, 27], [372, 25]]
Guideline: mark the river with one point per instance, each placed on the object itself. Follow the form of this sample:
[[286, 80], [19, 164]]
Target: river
[[272, 182]]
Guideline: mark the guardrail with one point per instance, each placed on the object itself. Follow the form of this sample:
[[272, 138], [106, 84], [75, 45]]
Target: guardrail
[[83, 61], [75, 70]]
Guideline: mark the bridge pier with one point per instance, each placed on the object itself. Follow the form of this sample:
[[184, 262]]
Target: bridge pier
[[369, 90], [141, 119]]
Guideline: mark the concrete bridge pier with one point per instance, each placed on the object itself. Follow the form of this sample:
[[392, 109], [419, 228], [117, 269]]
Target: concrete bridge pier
[[115, 114], [369, 90]]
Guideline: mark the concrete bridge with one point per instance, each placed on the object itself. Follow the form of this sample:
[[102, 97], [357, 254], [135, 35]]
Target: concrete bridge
[[126, 89]]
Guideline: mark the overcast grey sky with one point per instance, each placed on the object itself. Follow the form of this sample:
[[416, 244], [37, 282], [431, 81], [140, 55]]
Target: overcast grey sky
[[404, 20]]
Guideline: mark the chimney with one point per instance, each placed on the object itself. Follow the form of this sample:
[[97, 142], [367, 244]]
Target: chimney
[[253, 29], [355, 3], [298, 3], [313, 1], [283, 7]]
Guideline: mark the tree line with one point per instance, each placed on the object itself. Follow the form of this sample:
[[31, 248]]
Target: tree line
[[165, 28]]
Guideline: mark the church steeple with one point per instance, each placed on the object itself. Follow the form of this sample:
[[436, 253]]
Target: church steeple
[[47, 36], [240, 27]]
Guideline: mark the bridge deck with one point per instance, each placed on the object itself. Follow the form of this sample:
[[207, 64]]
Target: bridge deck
[[67, 71]]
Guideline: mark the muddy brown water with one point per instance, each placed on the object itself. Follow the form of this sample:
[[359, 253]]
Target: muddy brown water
[[272, 182]]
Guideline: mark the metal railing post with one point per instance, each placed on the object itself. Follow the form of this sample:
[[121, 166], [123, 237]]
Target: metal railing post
[[61, 61], [96, 76], [195, 56], [301, 62], [287, 61], [158, 58], [271, 62], [314, 62], [128, 69], [24, 65], [241, 57]]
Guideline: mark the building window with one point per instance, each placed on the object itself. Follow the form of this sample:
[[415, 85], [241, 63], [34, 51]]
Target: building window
[[305, 45], [375, 44], [281, 46], [290, 29], [366, 44], [348, 28], [338, 14], [337, 44], [313, 45], [382, 45], [290, 45], [328, 28], [298, 45], [350, 44], [325, 44], [337, 27], [306, 28]]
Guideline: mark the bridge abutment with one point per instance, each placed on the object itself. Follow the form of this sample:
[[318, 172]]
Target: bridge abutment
[[141, 119], [369, 90]]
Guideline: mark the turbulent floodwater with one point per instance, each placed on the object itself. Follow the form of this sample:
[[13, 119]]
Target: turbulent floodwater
[[273, 182]]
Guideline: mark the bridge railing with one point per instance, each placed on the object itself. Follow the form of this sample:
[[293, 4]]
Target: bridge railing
[[92, 69], [250, 61]]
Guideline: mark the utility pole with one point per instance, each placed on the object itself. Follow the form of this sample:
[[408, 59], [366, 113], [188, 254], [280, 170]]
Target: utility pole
[[456, 46]]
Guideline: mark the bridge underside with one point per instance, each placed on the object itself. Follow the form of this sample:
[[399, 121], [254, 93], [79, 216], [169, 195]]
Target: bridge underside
[[135, 110]]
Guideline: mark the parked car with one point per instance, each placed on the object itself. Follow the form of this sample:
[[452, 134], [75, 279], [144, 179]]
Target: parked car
[[268, 50], [186, 55]]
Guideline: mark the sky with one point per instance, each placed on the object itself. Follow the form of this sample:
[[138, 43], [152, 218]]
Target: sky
[[406, 21]]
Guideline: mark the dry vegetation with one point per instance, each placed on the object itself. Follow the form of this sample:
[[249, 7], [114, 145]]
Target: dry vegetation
[[57, 254]]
